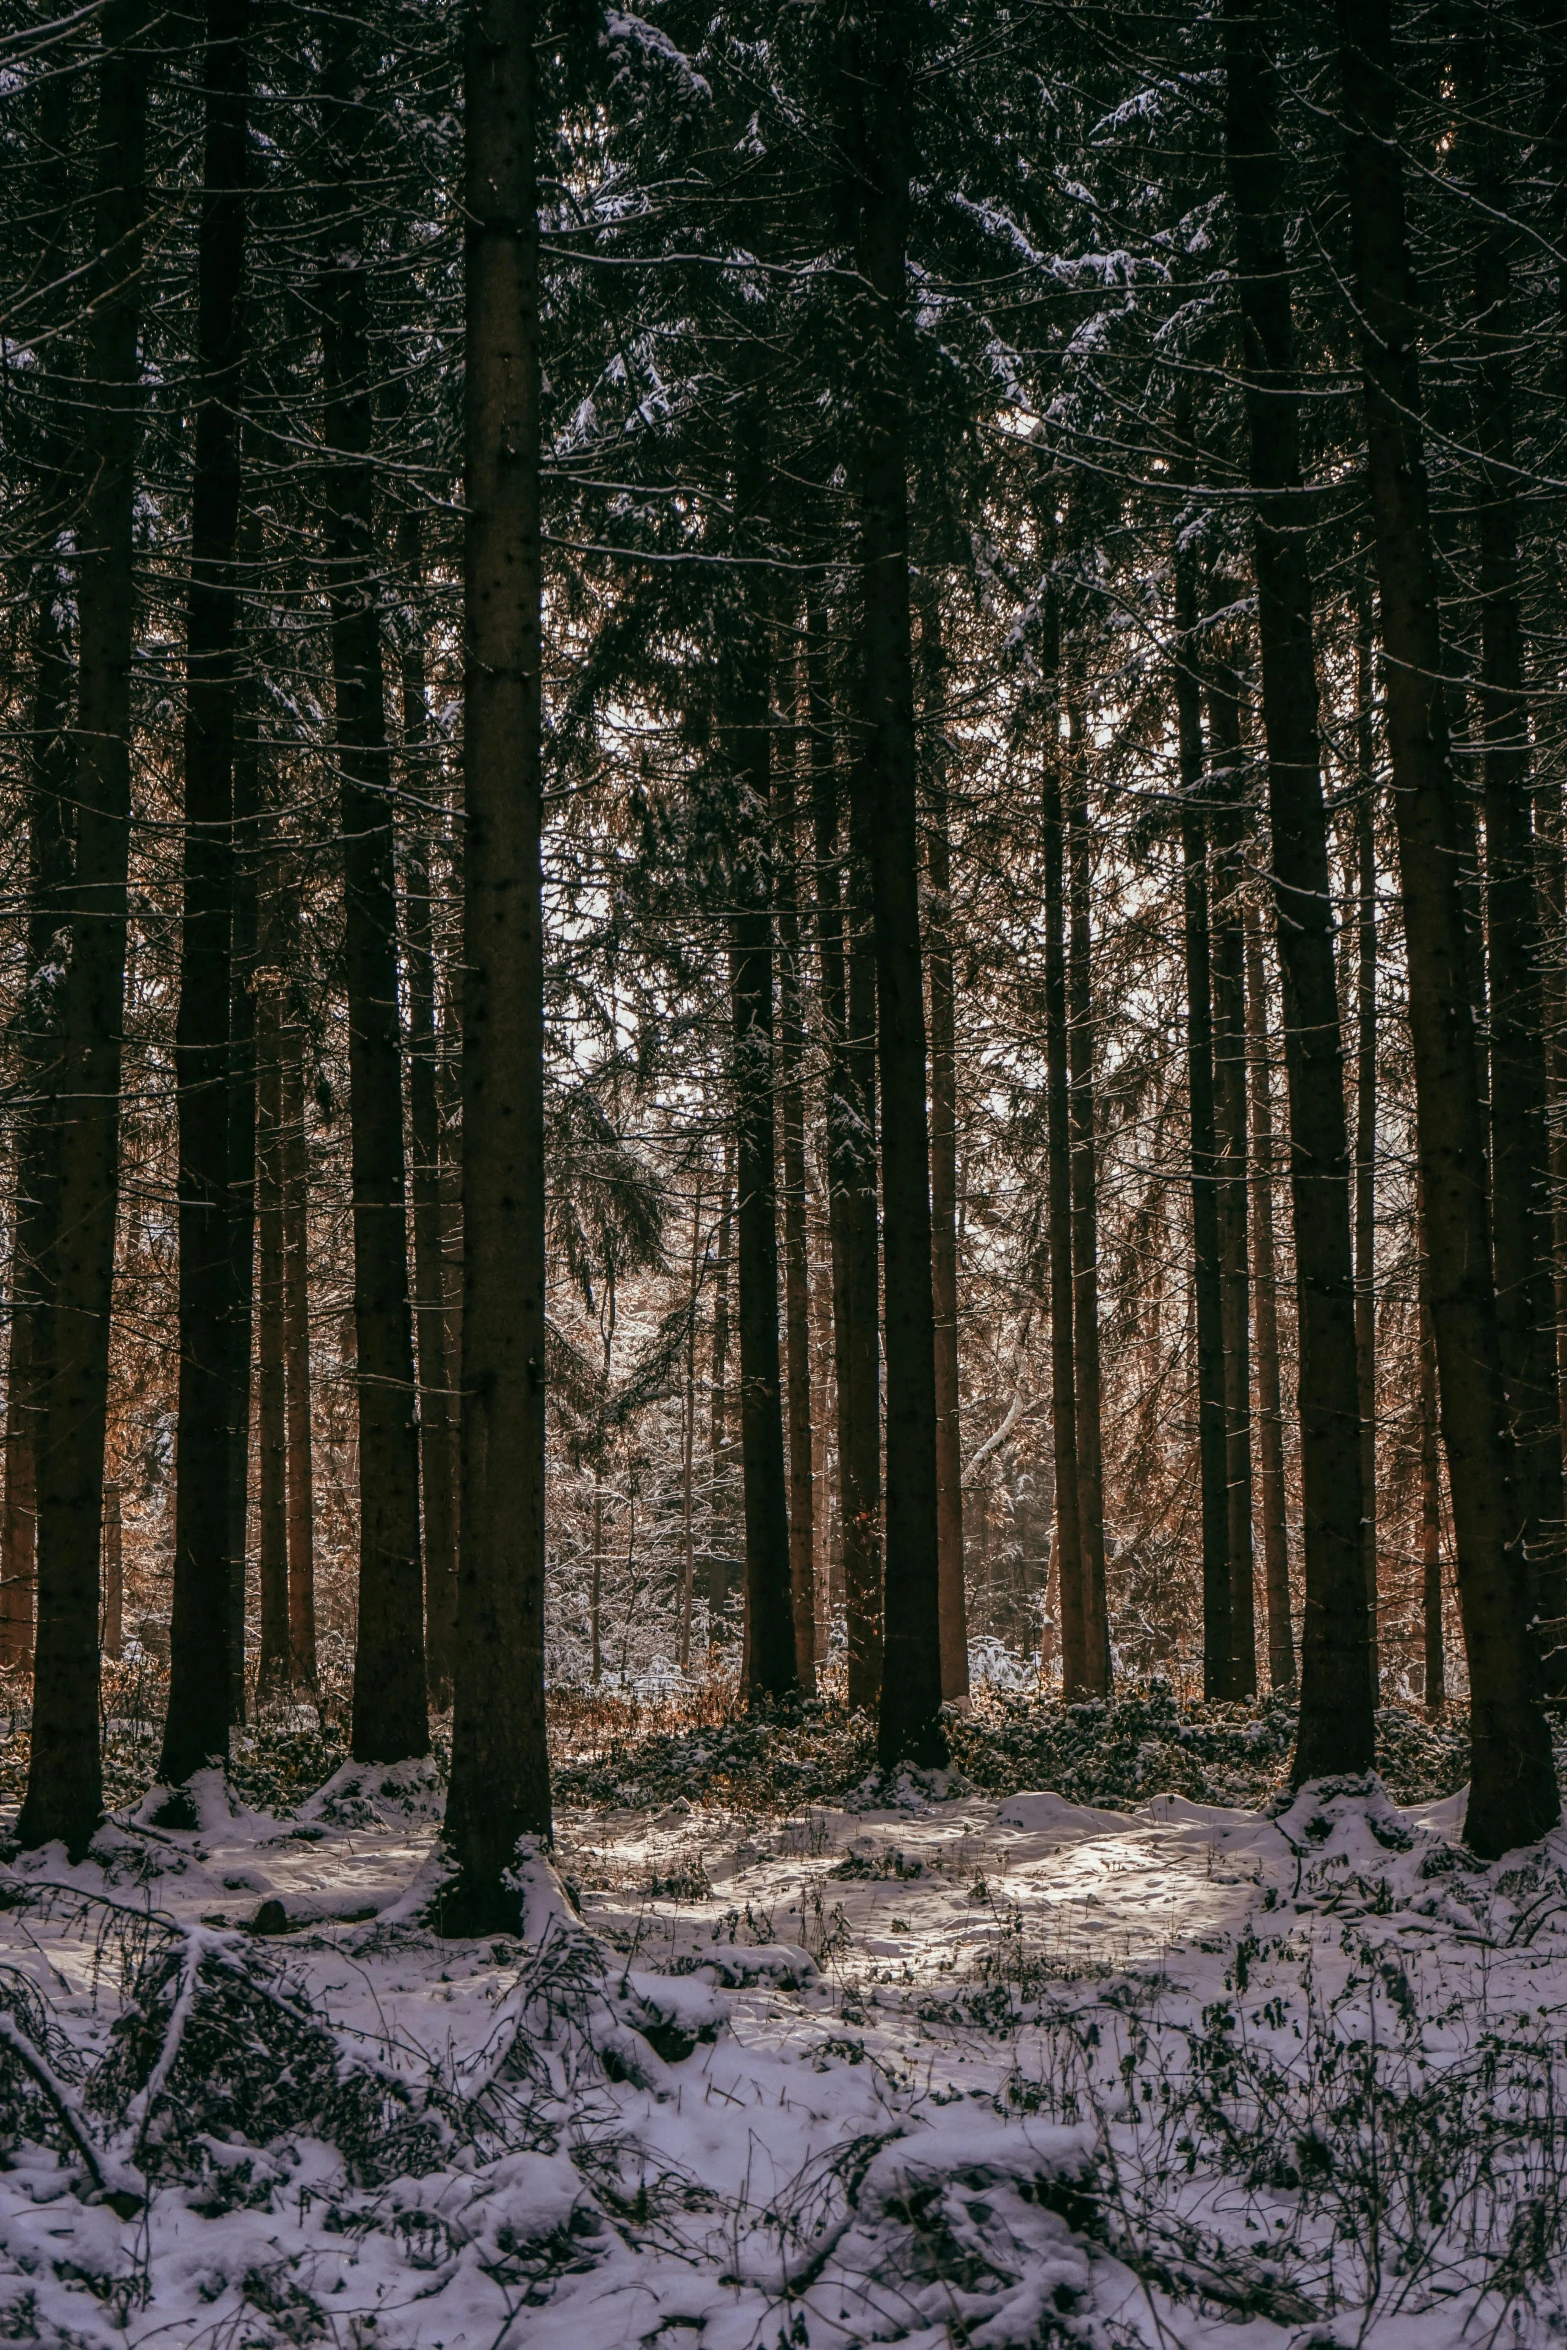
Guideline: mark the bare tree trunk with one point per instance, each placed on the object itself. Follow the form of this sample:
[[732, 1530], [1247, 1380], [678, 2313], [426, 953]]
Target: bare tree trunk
[[437, 1423], [241, 1218], [1430, 1486], [878, 143], [296, 1358], [113, 1573], [65, 1783], [1366, 1114], [797, 1291], [50, 759], [768, 1659], [1265, 1298], [1521, 1212], [1231, 1156], [1337, 1729], [1067, 1547], [275, 1670], [719, 1579], [201, 1635], [596, 1583], [1207, 1271], [390, 1713], [943, 1161], [1513, 1795], [849, 1016], [500, 1785], [823, 1388], [688, 1438], [1085, 1220]]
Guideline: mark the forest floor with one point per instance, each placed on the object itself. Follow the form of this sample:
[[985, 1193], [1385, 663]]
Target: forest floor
[[939, 2061]]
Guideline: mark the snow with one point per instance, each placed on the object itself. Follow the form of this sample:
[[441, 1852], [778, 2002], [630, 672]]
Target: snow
[[942, 2068]]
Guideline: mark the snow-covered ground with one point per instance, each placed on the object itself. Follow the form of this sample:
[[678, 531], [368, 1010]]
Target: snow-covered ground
[[956, 2070]]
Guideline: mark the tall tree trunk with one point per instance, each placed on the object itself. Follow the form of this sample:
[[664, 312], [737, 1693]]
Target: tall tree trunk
[[390, 1714], [500, 1786], [274, 1672], [1551, 807], [1207, 1276], [1366, 1112], [201, 1635], [113, 1574], [719, 1570], [688, 1438], [769, 1624], [1521, 1206], [797, 1279], [1067, 1546], [848, 989], [1265, 1298], [1085, 1219], [1228, 820], [244, 942], [1337, 1723], [1513, 1796], [596, 1582], [1430, 1484], [296, 1359], [909, 1725], [65, 1785], [49, 794], [943, 1158], [861, 1420], [437, 1426]]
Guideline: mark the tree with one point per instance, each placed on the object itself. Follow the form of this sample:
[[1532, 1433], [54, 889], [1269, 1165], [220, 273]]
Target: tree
[[200, 1678], [64, 1797], [500, 1786], [878, 138], [1336, 1730], [391, 1720], [1513, 1796]]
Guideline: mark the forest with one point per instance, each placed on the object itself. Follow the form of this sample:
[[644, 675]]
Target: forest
[[783, 1173]]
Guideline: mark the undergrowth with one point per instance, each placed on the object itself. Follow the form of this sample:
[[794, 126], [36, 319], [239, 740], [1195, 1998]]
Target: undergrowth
[[1147, 1742], [704, 1745]]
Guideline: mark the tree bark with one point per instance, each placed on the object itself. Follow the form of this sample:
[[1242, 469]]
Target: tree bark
[[296, 1359], [113, 1574], [201, 1635], [909, 1726], [943, 1160], [1228, 822], [1366, 1115], [848, 988], [1521, 1204], [1085, 1219], [1513, 1796], [241, 1219], [688, 1438], [1337, 1724], [719, 1571], [500, 1785], [64, 1797], [1067, 1547], [390, 1713], [437, 1426], [49, 794], [797, 1280], [1434, 1643], [274, 1671], [1265, 1299], [769, 1632], [1207, 1272]]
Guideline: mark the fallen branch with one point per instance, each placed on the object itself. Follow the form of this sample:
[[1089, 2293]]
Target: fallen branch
[[120, 2188]]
